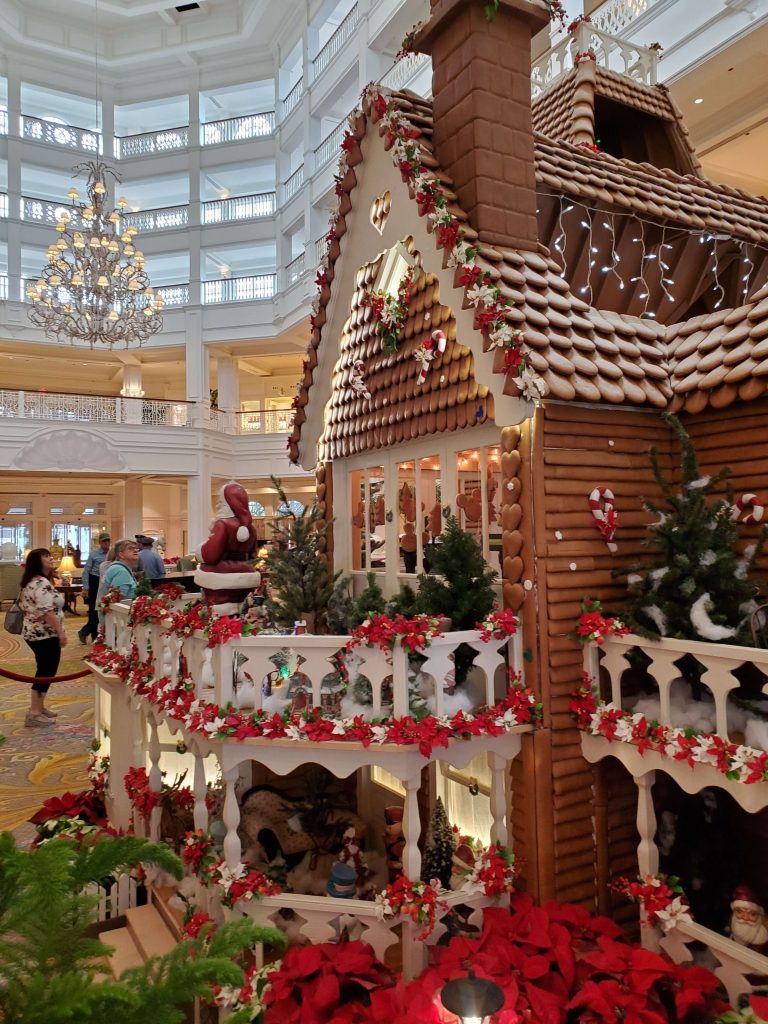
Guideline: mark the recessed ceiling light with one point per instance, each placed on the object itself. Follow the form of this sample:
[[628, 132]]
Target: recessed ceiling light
[[700, 99]]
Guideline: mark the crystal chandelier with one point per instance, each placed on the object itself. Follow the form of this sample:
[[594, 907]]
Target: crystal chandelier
[[94, 287]]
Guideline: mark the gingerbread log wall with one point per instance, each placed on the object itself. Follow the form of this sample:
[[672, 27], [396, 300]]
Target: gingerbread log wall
[[324, 492], [575, 449]]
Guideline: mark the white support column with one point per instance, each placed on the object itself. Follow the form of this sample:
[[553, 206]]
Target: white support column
[[133, 507], [132, 392], [499, 767], [200, 789], [231, 818], [198, 506], [15, 286], [229, 388], [414, 951], [196, 364], [647, 851], [155, 780], [121, 755]]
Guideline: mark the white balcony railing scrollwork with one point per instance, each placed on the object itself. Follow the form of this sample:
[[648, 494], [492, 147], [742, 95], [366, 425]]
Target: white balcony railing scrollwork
[[292, 184], [37, 129], [237, 129], [295, 269], [616, 16], [51, 405], [174, 294], [3, 204], [163, 219], [264, 421], [46, 211], [3, 122], [219, 211], [3, 287], [330, 146], [335, 43], [404, 71], [292, 98], [615, 54], [166, 141], [321, 248], [239, 289]]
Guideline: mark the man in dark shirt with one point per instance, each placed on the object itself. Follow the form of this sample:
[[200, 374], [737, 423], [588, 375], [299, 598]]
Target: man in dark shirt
[[91, 586]]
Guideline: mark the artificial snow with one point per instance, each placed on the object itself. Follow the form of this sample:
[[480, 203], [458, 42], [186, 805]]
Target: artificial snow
[[702, 623], [657, 617]]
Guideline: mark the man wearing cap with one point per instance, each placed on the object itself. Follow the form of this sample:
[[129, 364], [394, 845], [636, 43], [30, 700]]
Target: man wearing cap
[[150, 563], [90, 587]]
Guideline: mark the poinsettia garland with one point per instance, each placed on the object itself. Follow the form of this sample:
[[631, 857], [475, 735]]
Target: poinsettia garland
[[241, 883], [110, 597], [147, 608], [98, 768], [177, 701], [145, 799], [418, 900], [592, 626], [736, 762], [495, 871], [661, 896], [390, 312], [412, 634]]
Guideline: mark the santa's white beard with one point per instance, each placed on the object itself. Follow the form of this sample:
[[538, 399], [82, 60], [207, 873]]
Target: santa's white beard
[[748, 934]]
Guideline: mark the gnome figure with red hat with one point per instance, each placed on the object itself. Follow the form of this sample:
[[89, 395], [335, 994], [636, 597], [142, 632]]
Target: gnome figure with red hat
[[748, 924], [225, 574]]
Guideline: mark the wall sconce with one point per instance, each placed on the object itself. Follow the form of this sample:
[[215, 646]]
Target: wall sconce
[[472, 999]]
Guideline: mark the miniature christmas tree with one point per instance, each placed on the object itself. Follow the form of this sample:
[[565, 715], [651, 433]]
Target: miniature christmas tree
[[143, 585], [300, 582], [371, 602], [699, 589], [460, 586], [438, 850]]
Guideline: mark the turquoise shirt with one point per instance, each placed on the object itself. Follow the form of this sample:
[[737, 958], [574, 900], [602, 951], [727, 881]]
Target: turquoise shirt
[[120, 576]]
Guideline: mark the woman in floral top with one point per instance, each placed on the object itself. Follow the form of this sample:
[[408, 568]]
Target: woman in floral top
[[43, 629]]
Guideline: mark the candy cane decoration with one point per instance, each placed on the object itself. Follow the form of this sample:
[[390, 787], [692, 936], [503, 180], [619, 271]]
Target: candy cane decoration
[[356, 381], [605, 515], [427, 351], [747, 501]]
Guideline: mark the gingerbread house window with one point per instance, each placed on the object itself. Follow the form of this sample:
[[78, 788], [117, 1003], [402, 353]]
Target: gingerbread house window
[[394, 265]]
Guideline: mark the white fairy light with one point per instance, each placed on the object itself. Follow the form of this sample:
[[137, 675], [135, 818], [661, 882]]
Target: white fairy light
[[646, 293], [715, 270], [747, 266]]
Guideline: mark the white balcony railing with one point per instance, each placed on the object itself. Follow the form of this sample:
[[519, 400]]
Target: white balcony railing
[[292, 185], [166, 141], [45, 211], [295, 269], [321, 248], [330, 146], [615, 16], [3, 287], [401, 74], [264, 421], [51, 405], [174, 294], [340, 36], [237, 129], [164, 218], [37, 129], [220, 211], [3, 122], [292, 98], [3, 204], [631, 59], [239, 289]]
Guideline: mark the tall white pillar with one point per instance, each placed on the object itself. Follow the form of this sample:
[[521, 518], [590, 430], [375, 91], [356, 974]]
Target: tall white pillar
[[132, 393], [198, 506], [133, 507], [229, 389], [197, 372]]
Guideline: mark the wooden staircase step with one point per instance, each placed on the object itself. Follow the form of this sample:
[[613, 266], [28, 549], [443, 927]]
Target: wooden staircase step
[[149, 931], [174, 919], [126, 954]]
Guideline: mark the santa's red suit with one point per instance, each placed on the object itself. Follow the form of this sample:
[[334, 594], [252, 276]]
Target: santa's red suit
[[224, 574]]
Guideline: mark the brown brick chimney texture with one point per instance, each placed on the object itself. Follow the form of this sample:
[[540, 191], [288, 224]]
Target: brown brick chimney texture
[[481, 72]]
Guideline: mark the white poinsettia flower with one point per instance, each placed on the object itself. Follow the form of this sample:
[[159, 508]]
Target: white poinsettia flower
[[481, 293], [675, 913], [213, 727], [338, 729], [227, 875], [293, 732], [531, 385], [624, 730], [226, 996], [378, 733], [502, 335]]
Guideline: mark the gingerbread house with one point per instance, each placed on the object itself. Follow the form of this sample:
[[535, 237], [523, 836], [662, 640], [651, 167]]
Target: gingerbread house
[[637, 286]]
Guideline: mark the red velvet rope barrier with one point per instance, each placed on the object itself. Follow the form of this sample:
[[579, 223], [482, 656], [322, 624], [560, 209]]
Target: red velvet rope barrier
[[17, 677]]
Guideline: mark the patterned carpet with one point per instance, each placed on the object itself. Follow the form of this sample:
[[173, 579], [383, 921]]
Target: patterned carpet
[[40, 763]]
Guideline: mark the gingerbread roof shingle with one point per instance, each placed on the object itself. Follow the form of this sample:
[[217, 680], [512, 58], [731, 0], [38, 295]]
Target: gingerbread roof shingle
[[579, 352]]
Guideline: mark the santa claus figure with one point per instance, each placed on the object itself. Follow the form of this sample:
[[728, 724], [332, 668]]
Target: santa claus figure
[[748, 926], [225, 574], [462, 864]]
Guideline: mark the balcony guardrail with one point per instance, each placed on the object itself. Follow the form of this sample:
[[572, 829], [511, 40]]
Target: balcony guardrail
[[335, 43], [631, 59], [3, 122], [3, 287], [163, 218], [292, 98], [265, 421], [51, 405], [330, 146], [45, 211], [614, 16], [295, 269], [37, 129], [3, 204], [239, 289], [237, 129], [321, 248], [174, 294], [292, 185], [404, 71], [166, 141], [221, 211]]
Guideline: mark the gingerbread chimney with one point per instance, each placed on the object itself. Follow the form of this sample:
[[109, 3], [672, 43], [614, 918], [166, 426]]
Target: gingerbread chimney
[[481, 83]]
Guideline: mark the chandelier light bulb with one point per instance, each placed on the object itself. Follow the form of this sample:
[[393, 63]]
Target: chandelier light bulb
[[77, 280], [54, 279], [73, 193], [113, 316], [87, 213], [102, 281], [98, 188], [122, 202]]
